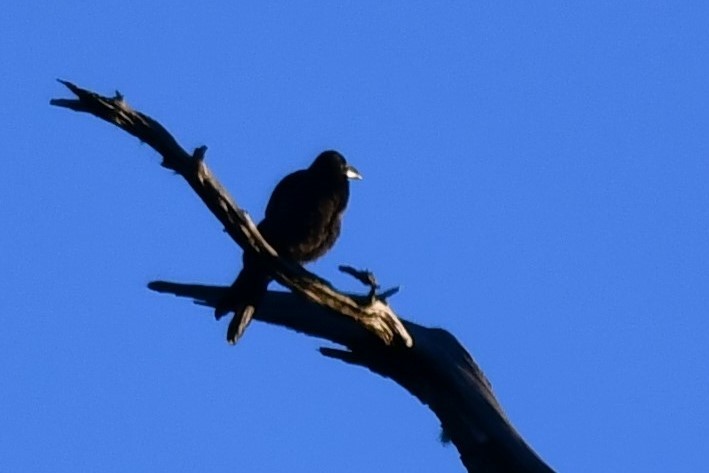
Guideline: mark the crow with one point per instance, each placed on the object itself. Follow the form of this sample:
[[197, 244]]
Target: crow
[[302, 221]]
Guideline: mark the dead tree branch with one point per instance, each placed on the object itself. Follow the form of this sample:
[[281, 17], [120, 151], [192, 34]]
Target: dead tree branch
[[376, 317], [437, 369]]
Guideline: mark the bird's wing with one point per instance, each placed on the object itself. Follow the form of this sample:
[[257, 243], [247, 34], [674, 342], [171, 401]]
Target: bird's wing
[[303, 215], [287, 197]]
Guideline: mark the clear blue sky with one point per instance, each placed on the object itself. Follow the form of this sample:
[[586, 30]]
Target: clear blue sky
[[535, 180]]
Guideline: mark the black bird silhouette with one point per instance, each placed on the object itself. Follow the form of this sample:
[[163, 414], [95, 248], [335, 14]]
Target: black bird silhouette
[[302, 222]]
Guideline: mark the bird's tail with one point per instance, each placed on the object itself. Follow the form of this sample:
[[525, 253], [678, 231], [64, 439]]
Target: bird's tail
[[242, 298]]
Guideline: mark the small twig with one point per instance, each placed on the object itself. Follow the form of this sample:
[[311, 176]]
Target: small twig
[[364, 276], [367, 278], [384, 295], [343, 355]]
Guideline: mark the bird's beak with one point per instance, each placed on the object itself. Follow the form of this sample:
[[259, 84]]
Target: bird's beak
[[352, 173]]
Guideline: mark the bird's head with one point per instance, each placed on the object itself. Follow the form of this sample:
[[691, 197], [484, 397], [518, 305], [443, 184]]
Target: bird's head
[[333, 163]]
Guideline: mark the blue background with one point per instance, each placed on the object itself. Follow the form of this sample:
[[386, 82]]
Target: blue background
[[535, 180]]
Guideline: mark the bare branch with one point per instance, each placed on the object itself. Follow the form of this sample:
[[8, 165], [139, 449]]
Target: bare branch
[[365, 277], [437, 370], [376, 317]]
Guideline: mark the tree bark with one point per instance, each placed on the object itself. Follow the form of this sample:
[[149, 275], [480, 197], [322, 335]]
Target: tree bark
[[428, 362]]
